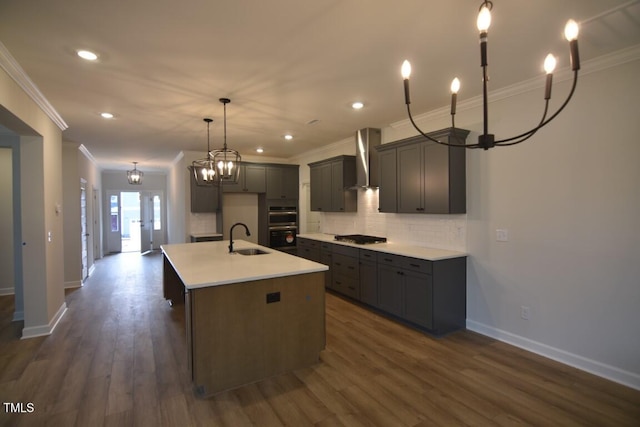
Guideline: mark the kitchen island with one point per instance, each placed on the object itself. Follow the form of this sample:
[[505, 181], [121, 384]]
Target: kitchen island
[[248, 317]]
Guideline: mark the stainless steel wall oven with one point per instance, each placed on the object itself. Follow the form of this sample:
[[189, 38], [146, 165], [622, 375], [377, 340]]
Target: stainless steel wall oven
[[283, 227]]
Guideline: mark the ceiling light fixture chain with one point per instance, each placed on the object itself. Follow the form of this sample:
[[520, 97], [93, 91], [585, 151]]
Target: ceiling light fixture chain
[[487, 140]]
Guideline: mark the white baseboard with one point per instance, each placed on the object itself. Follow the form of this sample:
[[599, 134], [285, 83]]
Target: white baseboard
[[7, 291], [609, 372], [18, 316], [38, 331], [73, 284]]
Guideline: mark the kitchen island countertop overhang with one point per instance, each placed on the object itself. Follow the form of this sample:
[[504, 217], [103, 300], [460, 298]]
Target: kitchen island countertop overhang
[[193, 263]]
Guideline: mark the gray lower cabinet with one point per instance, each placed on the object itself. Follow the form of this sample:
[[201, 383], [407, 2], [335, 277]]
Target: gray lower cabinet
[[345, 267], [326, 257], [429, 295], [308, 248], [368, 277]]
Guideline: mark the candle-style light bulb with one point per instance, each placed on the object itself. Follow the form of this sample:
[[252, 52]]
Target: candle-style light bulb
[[484, 19], [455, 87], [571, 30], [549, 66], [549, 63], [571, 34], [405, 70]]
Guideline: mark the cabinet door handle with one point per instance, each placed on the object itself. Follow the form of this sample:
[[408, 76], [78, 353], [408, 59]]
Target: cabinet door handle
[[388, 260], [350, 267]]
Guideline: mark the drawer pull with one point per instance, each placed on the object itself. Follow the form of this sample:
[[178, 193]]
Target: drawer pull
[[337, 263], [351, 267], [415, 265], [388, 259]]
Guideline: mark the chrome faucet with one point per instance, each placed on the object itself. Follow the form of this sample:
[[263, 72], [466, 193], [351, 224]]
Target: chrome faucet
[[231, 234]]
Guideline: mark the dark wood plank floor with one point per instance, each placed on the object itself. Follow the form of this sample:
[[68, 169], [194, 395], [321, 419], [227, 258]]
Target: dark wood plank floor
[[118, 358]]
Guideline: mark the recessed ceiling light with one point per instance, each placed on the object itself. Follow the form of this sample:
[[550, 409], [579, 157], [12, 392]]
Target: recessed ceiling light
[[259, 150], [288, 137], [88, 55], [357, 105], [106, 115]]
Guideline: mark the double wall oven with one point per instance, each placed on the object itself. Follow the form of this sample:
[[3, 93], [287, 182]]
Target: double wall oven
[[283, 227]]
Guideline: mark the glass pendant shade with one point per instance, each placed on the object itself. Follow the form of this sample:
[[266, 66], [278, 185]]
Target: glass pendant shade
[[134, 176], [204, 170], [227, 161]]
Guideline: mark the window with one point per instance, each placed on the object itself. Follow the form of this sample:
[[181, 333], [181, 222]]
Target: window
[[157, 219], [115, 223]]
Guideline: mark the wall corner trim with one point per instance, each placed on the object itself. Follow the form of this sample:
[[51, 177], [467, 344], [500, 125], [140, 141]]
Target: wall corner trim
[[38, 331], [15, 71]]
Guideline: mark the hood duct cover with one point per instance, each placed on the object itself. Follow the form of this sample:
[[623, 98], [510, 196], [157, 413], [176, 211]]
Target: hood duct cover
[[367, 157]]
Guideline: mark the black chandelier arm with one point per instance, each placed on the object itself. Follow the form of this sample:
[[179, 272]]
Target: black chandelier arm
[[524, 137], [544, 122], [433, 139]]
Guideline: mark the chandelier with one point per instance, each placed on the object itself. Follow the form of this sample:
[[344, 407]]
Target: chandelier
[[487, 140], [134, 176], [221, 165]]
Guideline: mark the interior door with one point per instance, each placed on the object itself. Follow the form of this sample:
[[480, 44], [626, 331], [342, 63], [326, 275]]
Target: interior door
[[157, 221], [84, 232], [152, 221], [146, 222]]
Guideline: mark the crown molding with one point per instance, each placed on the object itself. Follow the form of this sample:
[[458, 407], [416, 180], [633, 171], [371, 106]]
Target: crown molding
[[15, 71], [591, 66]]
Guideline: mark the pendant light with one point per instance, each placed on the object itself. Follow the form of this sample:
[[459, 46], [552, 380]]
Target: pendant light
[[204, 170], [226, 160], [134, 176]]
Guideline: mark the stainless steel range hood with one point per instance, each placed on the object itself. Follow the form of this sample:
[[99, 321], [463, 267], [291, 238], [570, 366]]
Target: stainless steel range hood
[[367, 157]]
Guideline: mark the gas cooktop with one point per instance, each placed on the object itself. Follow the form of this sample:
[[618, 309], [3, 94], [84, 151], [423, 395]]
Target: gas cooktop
[[359, 239]]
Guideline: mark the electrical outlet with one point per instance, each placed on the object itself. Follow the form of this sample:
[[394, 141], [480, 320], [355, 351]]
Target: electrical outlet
[[502, 235], [525, 312]]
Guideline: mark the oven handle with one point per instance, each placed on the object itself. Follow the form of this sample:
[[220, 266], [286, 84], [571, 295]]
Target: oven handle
[[279, 213], [283, 227]]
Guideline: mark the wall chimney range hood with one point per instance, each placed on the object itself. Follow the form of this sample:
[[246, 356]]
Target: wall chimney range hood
[[367, 157]]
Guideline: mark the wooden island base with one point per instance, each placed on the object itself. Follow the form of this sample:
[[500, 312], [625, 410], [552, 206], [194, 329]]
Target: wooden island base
[[244, 332]]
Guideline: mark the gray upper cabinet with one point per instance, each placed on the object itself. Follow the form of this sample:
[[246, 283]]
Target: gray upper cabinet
[[203, 198], [282, 182], [332, 182], [428, 177], [251, 179], [387, 190]]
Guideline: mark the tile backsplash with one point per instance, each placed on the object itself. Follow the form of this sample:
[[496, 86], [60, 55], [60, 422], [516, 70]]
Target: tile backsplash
[[436, 231]]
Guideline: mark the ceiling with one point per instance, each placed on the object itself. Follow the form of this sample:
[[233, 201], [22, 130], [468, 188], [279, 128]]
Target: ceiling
[[288, 66]]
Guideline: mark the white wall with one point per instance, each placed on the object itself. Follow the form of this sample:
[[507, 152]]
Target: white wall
[[571, 203], [40, 192], [6, 220]]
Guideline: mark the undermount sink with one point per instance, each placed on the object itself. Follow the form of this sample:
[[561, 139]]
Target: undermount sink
[[251, 251]]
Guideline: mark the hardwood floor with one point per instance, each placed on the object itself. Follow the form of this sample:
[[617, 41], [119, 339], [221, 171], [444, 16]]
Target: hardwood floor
[[118, 357]]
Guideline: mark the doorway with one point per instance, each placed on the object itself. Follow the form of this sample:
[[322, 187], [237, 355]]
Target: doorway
[[136, 221]]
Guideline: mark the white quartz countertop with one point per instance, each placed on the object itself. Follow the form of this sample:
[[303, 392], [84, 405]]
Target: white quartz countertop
[[206, 264], [430, 254]]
